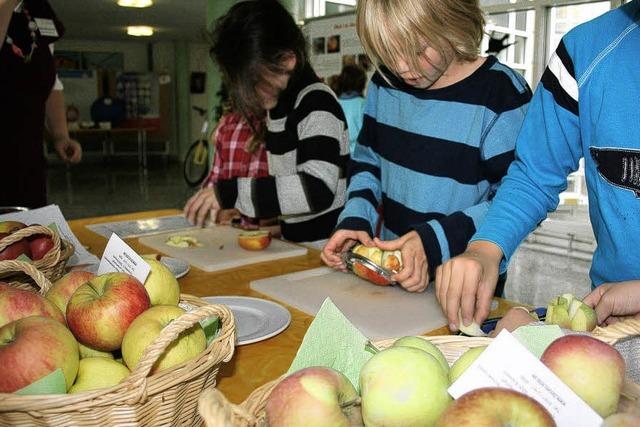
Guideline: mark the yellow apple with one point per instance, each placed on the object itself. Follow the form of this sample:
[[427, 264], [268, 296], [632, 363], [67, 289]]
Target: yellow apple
[[161, 284], [424, 345], [98, 372], [147, 326], [86, 352], [495, 407], [403, 386], [464, 361]]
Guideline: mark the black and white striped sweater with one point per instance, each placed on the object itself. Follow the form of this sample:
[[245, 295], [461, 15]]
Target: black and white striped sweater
[[307, 150]]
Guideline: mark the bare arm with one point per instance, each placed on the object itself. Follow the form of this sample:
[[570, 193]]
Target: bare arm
[[6, 9], [69, 150]]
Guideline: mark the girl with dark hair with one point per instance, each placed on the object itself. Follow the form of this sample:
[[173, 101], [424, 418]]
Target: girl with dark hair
[[262, 55]]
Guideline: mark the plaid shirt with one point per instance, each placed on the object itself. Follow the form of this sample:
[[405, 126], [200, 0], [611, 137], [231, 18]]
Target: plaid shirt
[[230, 159]]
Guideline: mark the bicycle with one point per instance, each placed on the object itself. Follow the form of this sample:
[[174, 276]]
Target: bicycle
[[197, 161]]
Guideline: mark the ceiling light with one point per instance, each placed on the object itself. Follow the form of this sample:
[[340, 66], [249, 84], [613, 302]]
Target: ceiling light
[[135, 3], [140, 30]]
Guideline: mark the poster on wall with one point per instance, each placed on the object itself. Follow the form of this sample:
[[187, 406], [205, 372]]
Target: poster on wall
[[334, 42]]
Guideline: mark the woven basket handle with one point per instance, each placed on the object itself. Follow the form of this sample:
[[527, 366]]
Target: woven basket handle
[[216, 410], [14, 266], [613, 333], [140, 373], [51, 257]]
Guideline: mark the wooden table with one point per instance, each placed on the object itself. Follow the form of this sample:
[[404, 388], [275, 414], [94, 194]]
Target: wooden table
[[253, 364]]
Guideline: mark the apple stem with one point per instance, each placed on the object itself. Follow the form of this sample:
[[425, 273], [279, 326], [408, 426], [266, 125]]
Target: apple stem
[[351, 403], [371, 348]]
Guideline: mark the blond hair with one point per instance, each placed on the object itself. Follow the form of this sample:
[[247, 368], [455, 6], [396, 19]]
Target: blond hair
[[391, 30]]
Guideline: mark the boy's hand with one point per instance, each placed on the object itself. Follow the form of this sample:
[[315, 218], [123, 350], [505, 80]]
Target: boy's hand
[[202, 204], [414, 276], [467, 282], [615, 301], [340, 242]]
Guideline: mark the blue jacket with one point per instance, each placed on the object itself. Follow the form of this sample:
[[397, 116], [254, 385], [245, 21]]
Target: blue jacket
[[586, 105]]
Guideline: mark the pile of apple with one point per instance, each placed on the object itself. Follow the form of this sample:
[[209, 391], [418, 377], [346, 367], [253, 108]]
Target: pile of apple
[[34, 247], [94, 328], [406, 385]]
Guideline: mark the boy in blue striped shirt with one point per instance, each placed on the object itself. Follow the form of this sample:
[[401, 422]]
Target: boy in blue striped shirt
[[438, 135]]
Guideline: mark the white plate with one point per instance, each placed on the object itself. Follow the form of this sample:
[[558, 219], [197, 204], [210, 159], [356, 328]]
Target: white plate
[[178, 267], [256, 319]]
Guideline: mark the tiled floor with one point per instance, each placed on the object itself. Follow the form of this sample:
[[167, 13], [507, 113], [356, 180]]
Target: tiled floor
[[97, 187]]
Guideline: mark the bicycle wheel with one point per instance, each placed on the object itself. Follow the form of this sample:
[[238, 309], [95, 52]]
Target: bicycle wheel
[[196, 163]]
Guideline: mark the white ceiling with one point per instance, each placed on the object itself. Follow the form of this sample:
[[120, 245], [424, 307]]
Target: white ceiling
[[105, 20]]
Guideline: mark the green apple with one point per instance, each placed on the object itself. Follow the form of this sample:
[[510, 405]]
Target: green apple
[[495, 407], [464, 361], [591, 368], [98, 372], [33, 347], [424, 345], [147, 326], [313, 397], [161, 284], [403, 386], [570, 312], [86, 352]]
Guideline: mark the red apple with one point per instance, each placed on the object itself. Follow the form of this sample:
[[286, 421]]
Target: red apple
[[18, 303], [14, 250], [254, 240], [313, 397], [494, 407], [32, 348], [39, 245], [62, 289], [100, 311], [11, 226], [591, 368]]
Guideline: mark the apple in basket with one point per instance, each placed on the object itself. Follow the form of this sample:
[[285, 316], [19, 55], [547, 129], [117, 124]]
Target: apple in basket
[[100, 311], [14, 250], [254, 240], [622, 420], [161, 284], [423, 345], [464, 361], [144, 330], [62, 289], [98, 372], [494, 407], [11, 226], [32, 348], [18, 303], [403, 386], [591, 368], [40, 245], [313, 397]]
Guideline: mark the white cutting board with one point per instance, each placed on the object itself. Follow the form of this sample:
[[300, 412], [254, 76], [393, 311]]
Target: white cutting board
[[220, 248], [379, 312]]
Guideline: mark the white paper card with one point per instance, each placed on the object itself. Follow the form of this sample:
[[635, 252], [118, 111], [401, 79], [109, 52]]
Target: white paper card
[[118, 256], [52, 214], [507, 363], [47, 27]]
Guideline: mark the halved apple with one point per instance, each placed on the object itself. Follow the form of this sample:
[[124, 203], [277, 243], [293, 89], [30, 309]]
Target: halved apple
[[254, 240], [370, 275]]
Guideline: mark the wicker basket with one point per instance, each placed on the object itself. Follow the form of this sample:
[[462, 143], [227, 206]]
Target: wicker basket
[[51, 265], [167, 398], [217, 411]]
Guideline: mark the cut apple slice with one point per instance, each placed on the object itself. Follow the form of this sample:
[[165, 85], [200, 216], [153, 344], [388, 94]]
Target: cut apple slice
[[570, 312], [473, 329], [254, 240]]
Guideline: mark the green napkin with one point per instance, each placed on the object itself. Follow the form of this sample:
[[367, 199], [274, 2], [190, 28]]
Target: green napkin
[[332, 341], [536, 338], [24, 258], [210, 326], [52, 383]]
